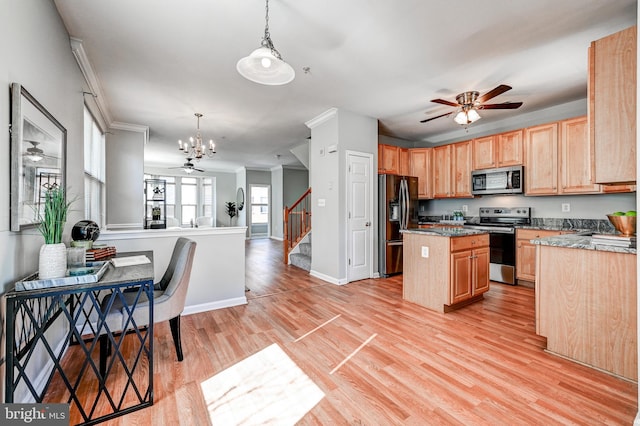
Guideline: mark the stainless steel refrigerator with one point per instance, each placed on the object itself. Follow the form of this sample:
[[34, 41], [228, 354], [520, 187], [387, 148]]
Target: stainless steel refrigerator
[[398, 210]]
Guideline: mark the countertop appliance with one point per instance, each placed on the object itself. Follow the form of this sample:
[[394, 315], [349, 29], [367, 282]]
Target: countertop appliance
[[398, 210], [503, 180], [500, 222]]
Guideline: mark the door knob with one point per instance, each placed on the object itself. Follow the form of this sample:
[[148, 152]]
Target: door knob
[[367, 224]]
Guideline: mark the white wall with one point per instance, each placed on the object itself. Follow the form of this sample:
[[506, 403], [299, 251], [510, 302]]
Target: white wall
[[36, 53], [348, 132], [277, 214], [124, 162]]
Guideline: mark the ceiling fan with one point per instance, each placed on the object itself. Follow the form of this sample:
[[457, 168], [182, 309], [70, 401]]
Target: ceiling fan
[[35, 154], [188, 167], [468, 103]]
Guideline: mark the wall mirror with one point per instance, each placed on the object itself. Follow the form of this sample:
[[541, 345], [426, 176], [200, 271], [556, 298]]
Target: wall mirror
[[240, 199], [38, 161]]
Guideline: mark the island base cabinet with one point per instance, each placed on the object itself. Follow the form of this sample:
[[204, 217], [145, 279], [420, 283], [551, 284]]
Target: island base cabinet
[[444, 273], [586, 307]]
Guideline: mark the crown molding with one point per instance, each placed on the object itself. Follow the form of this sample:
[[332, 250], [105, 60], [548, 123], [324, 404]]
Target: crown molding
[[138, 128], [325, 116], [91, 78]]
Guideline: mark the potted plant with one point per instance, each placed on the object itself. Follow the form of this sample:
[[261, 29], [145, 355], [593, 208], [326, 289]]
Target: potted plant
[[231, 210], [53, 253]]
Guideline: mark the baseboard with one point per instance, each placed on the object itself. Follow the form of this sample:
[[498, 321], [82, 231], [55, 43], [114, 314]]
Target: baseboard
[[327, 278], [276, 238], [376, 275], [204, 307]]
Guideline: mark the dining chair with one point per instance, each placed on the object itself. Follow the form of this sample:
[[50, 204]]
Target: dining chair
[[169, 296]]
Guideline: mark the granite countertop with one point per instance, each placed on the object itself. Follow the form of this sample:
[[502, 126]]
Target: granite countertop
[[576, 241], [445, 232]]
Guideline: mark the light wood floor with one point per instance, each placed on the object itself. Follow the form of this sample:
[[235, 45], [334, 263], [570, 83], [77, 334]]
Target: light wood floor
[[480, 365]]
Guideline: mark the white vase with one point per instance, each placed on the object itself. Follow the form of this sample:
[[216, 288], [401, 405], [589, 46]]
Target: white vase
[[53, 261]]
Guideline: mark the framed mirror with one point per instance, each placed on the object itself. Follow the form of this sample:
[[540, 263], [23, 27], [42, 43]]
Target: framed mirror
[[240, 199], [38, 160]]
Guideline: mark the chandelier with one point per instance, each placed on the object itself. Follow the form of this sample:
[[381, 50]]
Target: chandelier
[[265, 65], [195, 148]]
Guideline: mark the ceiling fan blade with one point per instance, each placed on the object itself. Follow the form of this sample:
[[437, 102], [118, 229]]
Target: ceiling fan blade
[[443, 102], [494, 92], [505, 105], [438, 116], [197, 170]]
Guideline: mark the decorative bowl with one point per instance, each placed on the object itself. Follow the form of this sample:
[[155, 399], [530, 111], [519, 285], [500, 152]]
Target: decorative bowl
[[626, 225]]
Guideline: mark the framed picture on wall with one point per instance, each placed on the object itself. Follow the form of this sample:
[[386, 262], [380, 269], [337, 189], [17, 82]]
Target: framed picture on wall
[[38, 157]]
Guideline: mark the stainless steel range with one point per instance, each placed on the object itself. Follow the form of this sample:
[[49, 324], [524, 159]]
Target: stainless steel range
[[500, 222]]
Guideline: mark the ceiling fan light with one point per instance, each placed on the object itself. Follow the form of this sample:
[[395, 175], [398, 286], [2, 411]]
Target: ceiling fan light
[[473, 115], [263, 67], [35, 157], [461, 118], [188, 170]]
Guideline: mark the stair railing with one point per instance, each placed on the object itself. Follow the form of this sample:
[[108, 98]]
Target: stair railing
[[297, 222]]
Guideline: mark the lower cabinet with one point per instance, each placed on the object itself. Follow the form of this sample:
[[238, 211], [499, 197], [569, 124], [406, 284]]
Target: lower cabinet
[[469, 274], [526, 251]]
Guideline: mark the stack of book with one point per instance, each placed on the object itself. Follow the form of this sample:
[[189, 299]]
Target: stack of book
[[614, 240], [100, 253]]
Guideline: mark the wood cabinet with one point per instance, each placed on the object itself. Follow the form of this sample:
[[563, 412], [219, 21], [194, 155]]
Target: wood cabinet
[[388, 159], [452, 170], [509, 149], [469, 273], [586, 307], [541, 159], [444, 273], [526, 251], [420, 166], [612, 106], [576, 158], [498, 150], [442, 171], [461, 169], [484, 153], [404, 162]]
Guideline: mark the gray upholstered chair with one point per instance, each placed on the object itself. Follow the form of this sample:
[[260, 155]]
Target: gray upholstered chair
[[168, 301]]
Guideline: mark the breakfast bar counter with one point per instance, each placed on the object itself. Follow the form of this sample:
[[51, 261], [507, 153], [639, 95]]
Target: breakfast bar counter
[[586, 302]]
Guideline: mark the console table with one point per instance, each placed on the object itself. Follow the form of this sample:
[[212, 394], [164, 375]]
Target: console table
[[52, 349]]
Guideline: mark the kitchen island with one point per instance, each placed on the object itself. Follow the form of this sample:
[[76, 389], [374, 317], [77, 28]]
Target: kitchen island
[[445, 268], [586, 302]]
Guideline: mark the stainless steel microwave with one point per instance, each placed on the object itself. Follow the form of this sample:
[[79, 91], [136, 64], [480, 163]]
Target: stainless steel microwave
[[503, 180]]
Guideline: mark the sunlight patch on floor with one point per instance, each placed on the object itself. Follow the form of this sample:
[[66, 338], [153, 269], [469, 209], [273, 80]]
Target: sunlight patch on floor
[[265, 388]]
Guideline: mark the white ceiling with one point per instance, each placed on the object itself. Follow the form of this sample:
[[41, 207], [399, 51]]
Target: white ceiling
[[160, 61]]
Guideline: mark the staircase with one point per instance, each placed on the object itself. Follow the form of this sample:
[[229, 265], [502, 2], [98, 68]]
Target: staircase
[[302, 257], [297, 228]]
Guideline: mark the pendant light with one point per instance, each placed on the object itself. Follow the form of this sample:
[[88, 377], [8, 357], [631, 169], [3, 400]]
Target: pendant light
[[265, 65]]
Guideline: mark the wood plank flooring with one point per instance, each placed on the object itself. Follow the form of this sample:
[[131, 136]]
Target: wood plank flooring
[[382, 361]]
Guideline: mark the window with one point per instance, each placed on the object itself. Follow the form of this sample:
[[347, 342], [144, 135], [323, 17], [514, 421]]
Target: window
[[189, 197], [259, 210], [94, 175]]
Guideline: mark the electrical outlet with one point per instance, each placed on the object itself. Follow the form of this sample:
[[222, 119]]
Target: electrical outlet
[[425, 251], [465, 208], [566, 207]]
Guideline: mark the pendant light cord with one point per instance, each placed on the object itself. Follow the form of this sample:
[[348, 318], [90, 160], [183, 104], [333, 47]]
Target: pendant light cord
[[266, 40]]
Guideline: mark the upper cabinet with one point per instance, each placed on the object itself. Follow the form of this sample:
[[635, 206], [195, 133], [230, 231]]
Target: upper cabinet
[[404, 162], [541, 159], [498, 150], [420, 166], [509, 149], [461, 169], [452, 170], [442, 171], [388, 159], [612, 106], [576, 158]]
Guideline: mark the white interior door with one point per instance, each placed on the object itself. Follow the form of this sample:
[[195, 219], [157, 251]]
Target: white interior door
[[359, 229]]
